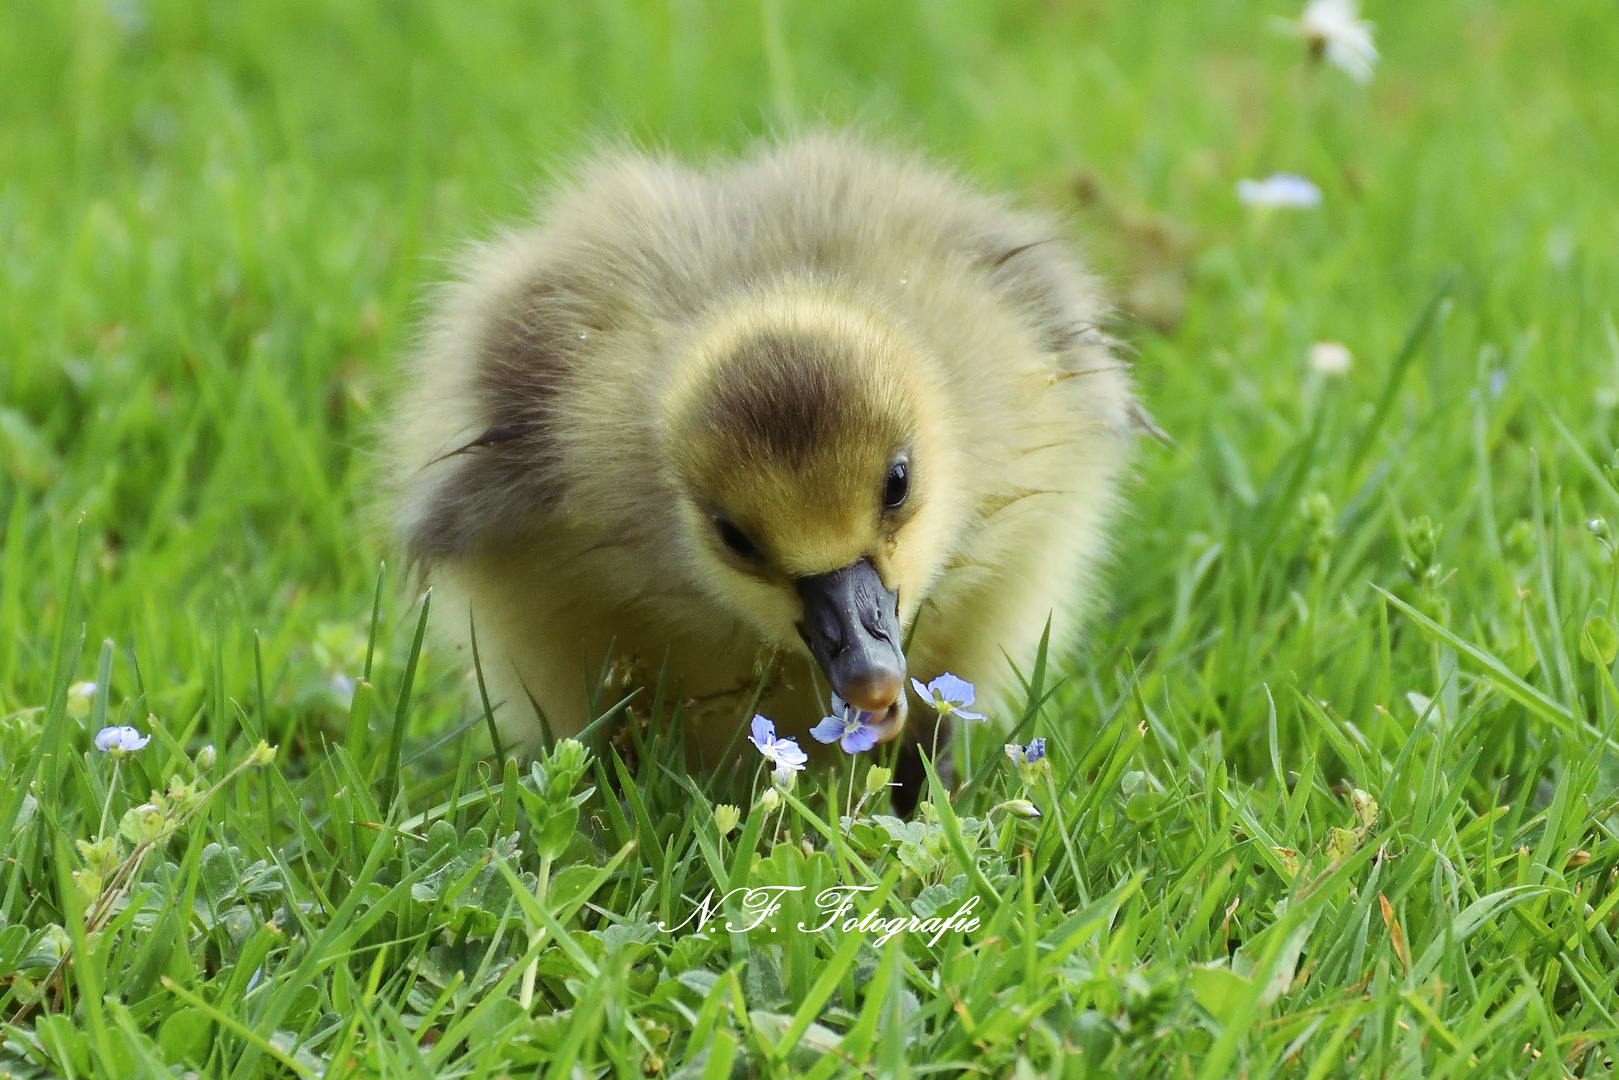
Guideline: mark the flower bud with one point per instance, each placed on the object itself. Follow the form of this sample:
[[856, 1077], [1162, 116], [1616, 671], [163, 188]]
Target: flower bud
[[1522, 540], [556, 776], [877, 778], [726, 818], [1365, 808], [1316, 509], [1424, 540], [145, 824]]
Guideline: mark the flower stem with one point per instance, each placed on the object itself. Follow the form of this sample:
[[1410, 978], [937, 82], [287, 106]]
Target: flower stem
[[106, 807], [966, 755], [525, 997]]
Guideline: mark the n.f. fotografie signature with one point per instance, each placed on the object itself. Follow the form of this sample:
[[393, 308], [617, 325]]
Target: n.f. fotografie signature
[[836, 902]]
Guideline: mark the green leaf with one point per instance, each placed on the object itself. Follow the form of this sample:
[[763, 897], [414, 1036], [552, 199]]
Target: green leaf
[[556, 831], [1598, 642], [1143, 806], [67, 1046], [1219, 990], [185, 1037]]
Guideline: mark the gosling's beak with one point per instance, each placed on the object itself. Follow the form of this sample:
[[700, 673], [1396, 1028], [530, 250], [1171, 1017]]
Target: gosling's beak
[[851, 625]]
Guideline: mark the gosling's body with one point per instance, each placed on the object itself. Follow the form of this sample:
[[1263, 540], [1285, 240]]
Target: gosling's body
[[544, 446]]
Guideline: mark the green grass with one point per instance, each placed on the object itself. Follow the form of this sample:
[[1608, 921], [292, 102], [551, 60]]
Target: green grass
[[216, 221]]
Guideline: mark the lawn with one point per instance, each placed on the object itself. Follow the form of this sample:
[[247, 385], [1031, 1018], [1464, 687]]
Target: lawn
[[1332, 789]]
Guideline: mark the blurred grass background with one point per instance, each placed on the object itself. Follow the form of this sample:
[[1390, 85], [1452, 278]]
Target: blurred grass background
[[217, 220]]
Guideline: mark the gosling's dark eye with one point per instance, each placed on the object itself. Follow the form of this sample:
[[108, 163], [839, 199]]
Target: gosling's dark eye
[[735, 538], [897, 486]]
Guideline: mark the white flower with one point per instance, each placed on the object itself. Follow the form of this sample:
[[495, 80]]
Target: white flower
[[1331, 358], [120, 740], [1334, 29], [1279, 189], [82, 690]]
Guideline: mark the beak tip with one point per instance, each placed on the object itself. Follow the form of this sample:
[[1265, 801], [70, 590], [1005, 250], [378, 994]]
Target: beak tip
[[851, 629], [873, 691]]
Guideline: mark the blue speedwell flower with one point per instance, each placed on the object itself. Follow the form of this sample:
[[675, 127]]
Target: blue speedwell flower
[[1279, 190], [1027, 755], [1028, 759], [848, 726], [948, 695], [120, 740], [784, 754]]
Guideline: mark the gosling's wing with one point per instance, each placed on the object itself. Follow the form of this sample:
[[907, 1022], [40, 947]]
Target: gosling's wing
[[534, 372]]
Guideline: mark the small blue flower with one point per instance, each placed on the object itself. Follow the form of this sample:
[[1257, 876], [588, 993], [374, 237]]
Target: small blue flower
[[341, 687], [1028, 759], [1279, 190], [120, 740], [784, 754], [848, 726], [948, 695]]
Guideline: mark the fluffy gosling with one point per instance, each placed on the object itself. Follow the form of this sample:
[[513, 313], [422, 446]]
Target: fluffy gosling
[[762, 423]]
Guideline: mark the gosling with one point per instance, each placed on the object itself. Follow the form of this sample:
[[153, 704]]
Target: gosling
[[820, 419]]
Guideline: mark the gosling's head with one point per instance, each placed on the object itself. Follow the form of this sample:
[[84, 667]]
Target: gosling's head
[[808, 455]]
